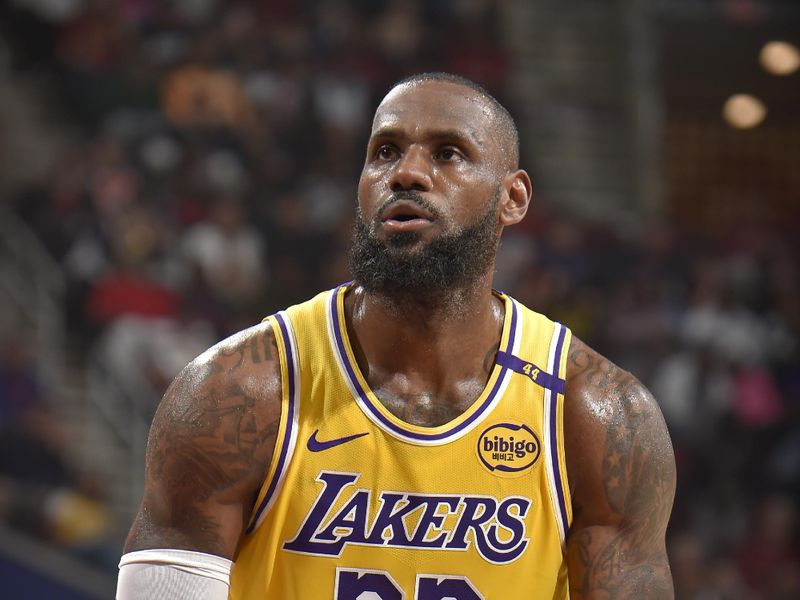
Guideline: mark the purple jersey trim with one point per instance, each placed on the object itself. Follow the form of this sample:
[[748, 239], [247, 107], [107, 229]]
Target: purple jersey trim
[[376, 413], [562, 507], [284, 452], [534, 373]]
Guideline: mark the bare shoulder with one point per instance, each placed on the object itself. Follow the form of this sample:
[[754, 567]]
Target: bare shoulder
[[622, 476], [609, 418], [209, 446]]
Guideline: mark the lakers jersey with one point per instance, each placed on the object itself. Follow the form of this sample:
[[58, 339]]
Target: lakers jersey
[[358, 504]]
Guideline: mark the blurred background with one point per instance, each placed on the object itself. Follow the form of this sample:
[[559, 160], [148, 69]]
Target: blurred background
[[171, 171]]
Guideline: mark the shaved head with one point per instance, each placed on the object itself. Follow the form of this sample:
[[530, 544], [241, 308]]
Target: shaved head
[[506, 128]]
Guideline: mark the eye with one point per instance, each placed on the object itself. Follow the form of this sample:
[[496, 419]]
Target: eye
[[448, 154], [386, 152]]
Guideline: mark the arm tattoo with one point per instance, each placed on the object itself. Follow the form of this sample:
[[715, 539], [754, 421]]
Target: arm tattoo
[[209, 445], [623, 556]]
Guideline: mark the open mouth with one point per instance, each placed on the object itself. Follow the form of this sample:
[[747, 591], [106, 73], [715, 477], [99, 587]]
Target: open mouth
[[405, 211], [403, 218]]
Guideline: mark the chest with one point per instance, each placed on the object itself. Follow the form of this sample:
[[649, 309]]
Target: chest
[[416, 405]]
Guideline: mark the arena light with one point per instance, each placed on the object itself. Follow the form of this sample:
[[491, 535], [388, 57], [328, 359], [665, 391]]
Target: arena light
[[744, 111], [779, 58]]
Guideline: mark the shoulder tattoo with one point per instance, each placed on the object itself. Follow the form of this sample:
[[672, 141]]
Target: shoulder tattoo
[[212, 439], [624, 555]]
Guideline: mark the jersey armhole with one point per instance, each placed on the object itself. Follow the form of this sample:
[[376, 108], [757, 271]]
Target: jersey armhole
[[555, 463], [562, 460], [287, 426]]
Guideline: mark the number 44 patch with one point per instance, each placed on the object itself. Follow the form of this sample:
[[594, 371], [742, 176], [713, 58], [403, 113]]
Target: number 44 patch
[[363, 584]]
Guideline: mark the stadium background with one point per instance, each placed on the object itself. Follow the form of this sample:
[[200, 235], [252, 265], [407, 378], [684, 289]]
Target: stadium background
[[172, 171]]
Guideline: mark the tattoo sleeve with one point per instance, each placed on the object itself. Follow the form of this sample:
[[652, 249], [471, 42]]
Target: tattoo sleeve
[[209, 446], [622, 474]]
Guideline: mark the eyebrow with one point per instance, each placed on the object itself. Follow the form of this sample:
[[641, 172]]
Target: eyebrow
[[436, 134]]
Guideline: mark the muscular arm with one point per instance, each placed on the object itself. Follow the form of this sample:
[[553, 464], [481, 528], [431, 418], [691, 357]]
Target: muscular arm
[[209, 446], [622, 474]]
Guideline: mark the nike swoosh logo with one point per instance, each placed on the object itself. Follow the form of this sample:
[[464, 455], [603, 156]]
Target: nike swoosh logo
[[316, 445]]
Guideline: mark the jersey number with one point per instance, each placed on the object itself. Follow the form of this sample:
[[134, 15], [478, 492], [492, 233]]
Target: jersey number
[[360, 584]]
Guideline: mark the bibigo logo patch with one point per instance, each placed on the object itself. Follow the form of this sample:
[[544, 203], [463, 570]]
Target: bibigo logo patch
[[508, 448]]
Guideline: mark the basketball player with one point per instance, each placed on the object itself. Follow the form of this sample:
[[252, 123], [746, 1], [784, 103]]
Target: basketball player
[[413, 434]]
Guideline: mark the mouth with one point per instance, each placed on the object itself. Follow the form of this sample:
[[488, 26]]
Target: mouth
[[402, 218], [405, 215]]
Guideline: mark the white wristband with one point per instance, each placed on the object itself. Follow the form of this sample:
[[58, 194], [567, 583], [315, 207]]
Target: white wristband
[[173, 575]]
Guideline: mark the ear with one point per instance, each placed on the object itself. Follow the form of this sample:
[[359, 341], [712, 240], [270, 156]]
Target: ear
[[516, 197]]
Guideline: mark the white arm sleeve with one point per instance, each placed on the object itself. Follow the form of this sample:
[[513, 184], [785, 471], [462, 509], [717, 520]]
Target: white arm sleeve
[[173, 575]]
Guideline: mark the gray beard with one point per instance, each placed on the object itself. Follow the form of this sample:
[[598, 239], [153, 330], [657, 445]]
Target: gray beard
[[444, 265]]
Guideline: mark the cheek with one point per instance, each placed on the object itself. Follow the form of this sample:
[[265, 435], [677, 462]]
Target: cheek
[[470, 178], [372, 191], [366, 192], [473, 195]]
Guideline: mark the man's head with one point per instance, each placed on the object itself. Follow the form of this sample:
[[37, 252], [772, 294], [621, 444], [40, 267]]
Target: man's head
[[439, 183]]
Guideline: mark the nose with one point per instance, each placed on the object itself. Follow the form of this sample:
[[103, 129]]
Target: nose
[[412, 171]]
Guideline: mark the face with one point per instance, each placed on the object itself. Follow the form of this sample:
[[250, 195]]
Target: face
[[429, 193], [433, 165]]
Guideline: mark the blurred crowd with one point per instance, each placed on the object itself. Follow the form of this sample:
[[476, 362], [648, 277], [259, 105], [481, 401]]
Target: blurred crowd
[[206, 156]]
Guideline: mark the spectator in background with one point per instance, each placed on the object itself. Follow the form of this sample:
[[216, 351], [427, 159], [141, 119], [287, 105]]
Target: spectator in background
[[41, 491], [228, 253], [144, 353], [145, 322], [19, 386], [200, 96], [139, 280], [769, 558]]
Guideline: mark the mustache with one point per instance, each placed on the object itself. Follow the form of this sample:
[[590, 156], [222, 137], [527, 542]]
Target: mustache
[[411, 196]]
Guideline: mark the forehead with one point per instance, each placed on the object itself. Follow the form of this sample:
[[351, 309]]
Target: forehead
[[441, 105]]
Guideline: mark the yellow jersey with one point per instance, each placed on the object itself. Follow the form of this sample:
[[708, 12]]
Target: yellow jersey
[[360, 505]]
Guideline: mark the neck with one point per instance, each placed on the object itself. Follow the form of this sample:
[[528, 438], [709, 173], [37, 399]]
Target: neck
[[426, 358], [422, 333], [426, 313]]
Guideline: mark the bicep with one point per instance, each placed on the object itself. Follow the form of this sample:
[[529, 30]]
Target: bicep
[[608, 562], [619, 450], [209, 445]]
